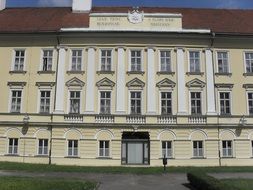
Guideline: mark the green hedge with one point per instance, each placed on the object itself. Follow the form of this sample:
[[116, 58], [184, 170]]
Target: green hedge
[[202, 181]]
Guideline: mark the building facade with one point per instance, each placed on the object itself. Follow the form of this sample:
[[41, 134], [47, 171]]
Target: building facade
[[126, 86]]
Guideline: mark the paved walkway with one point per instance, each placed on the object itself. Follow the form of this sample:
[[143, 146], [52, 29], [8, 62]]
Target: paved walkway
[[117, 181]]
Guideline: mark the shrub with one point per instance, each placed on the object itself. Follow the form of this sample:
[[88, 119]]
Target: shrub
[[201, 181]]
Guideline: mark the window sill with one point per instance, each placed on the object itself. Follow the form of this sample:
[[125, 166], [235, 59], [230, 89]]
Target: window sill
[[45, 113], [75, 157], [135, 72], [195, 73], [46, 72], [198, 158], [42, 156], [225, 115], [165, 73], [13, 155], [14, 112], [104, 158], [169, 158], [105, 72], [17, 72], [223, 74], [75, 72], [247, 74], [228, 157]]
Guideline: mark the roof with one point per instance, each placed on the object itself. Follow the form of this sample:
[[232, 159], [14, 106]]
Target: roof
[[233, 21]]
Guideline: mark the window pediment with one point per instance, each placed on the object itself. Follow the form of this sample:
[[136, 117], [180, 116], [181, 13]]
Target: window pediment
[[223, 85], [45, 84], [75, 82], [105, 82], [135, 83], [248, 86], [166, 83], [16, 84], [195, 83]]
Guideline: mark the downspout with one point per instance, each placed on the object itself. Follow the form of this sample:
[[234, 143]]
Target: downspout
[[218, 134], [51, 120]]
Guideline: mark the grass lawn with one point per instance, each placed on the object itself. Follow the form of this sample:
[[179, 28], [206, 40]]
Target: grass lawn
[[17, 183], [243, 184], [134, 170]]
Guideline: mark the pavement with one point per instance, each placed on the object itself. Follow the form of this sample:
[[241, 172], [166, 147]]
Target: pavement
[[117, 181]]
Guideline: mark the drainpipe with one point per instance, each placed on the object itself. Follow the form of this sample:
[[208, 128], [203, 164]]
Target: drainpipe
[[51, 119]]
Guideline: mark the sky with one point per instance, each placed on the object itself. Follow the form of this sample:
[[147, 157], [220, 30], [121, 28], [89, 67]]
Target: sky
[[230, 4]]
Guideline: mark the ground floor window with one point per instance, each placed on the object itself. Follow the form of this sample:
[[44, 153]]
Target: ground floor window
[[167, 149], [13, 146], [227, 149], [73, 148], [43, 147], [198, 149], [104, 148]]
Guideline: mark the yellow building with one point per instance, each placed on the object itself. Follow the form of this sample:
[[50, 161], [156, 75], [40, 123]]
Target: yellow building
[[126, 86]]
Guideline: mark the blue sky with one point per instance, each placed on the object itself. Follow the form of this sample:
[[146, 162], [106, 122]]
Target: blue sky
[[245, 4]]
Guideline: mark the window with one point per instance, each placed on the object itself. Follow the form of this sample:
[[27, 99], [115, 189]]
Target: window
[[196, 103], [222, 58], [166, 107], [249, 62], [43, 147], [44, 101], [194, 61], [73, 148], [250, 103], [198, 149], [106, 60], [104, 148], [16, 101], [135, 102], [165, 61], [74, 102], [167, 149], [19, 60], [76, 63], [105, 102], [136, 60], [225, 103], [13, 146], [227, 148], [47, 60]]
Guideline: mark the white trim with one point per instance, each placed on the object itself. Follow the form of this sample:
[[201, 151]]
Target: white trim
[[159, 59], [99, 100], [244, 59], [73, 129], [247, 100], [228, 59], [166, 130], [160, 30], [174, 15], [160, 99], [200, 131], [104, 130], [200, 59], [70, 58], [39, 98], [67, 148], [129, 101], [129, 58], [100, 56], [230, 100], [203, 148], [233, 148], [203, 109], [81, 101], [41, 57], [172, 148], [14, 56], [17, 88]]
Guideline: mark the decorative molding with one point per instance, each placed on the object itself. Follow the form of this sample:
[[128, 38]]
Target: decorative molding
[[166, 83], [223, 85], [195, 83], [135, 83], [135, 16], [39, 84], [105, 82], [16, 84], [75, 82], [247, 86]]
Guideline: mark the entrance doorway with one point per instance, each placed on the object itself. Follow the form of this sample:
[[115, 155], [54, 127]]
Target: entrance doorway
[[135, 148]]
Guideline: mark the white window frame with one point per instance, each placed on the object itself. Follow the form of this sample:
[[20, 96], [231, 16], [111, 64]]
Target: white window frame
[[100, 58], [172, 149], [70, 59], [104, 149], [228, 59], [247, 99], [159, 57], [14, 57], [68, 102], [73, 148], [10, 98], [160, 101], [129, 106], [12, 146], [200, 60], [244, 60], [39, 99], [41, 59], [99, 103], [232, 149], [44, 153], [203, 109], [193, 149], [129, 59], [230, 96]]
